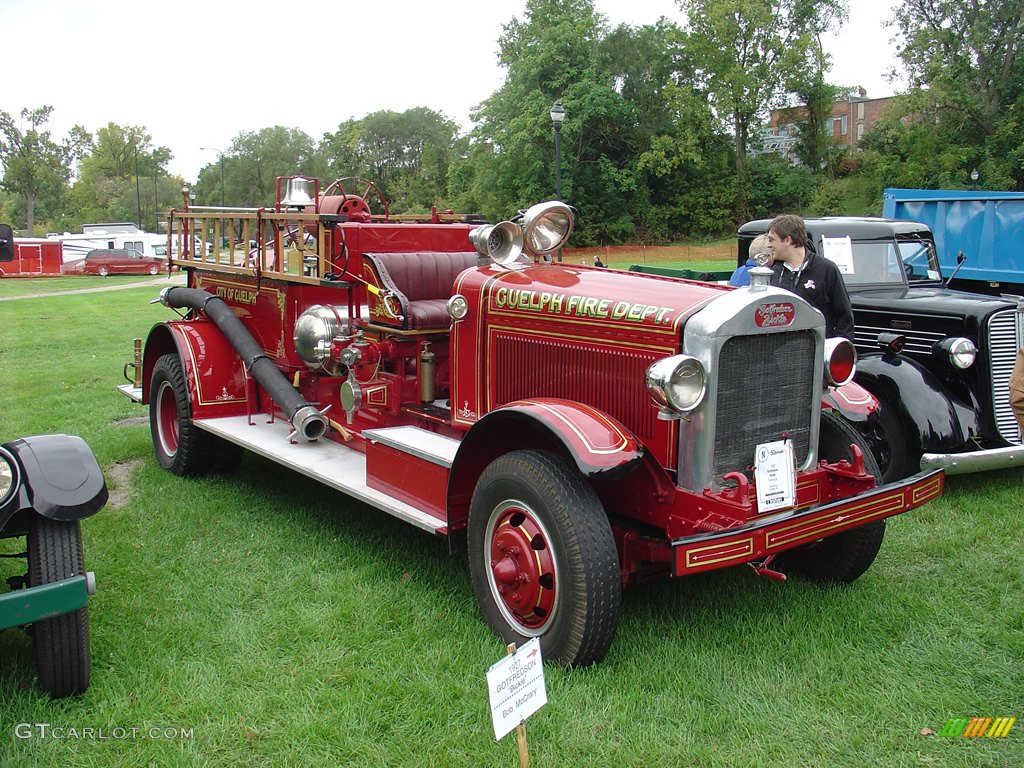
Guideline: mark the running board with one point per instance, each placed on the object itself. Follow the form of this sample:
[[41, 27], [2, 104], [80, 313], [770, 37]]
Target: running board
[[132, 392], [338, 466]]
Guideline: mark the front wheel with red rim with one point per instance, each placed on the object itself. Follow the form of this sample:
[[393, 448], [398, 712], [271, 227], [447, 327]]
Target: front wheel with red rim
[[542, 557]]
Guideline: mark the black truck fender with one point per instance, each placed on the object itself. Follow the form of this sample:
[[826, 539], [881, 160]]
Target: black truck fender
[[933, 419]]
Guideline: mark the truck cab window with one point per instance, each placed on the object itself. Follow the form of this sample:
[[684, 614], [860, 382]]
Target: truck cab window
[[920, 261]]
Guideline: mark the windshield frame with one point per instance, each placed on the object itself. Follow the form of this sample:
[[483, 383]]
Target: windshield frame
[[890, 261]]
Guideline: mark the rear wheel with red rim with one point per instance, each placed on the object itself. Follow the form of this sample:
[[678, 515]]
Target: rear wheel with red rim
[[180, 446]]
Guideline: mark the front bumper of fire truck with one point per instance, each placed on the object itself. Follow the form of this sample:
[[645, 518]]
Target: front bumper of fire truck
[[772, 534]]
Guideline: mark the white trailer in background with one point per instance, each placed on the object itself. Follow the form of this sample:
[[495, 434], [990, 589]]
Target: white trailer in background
[[115, 235]]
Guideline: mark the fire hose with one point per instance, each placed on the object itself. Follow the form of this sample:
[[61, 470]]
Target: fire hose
[[308, 422]]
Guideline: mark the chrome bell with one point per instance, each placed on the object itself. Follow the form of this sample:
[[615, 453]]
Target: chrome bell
[[298, 193]]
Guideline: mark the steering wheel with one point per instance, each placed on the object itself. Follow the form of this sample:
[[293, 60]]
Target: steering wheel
[[343, 196]]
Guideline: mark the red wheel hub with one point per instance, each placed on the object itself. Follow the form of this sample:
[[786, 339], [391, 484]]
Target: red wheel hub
[[523, 568], [167, 416]]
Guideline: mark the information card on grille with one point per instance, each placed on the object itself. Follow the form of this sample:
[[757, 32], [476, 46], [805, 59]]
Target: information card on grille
[[775, 475]]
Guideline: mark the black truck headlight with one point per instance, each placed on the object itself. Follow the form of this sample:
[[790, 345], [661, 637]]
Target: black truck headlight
[[960, 352], [676, 384]]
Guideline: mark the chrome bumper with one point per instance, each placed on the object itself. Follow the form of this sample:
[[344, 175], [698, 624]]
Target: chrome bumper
[[975, 461]]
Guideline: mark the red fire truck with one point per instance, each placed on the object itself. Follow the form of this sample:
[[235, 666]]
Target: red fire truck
[[579, 428]]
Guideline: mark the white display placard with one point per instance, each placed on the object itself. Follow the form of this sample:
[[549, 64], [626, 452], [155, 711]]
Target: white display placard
[[775, 475], [840, 251], [516, 685]]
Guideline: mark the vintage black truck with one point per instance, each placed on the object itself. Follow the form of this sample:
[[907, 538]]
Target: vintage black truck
[[937, 360]]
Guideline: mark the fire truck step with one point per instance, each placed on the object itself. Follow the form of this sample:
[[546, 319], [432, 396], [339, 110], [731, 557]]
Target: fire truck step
[[326, 461], [428, 446]]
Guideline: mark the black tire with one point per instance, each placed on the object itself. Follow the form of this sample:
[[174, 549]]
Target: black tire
[[842, 558], [61, 643], [900, 461], [102, 271], [180, 446], [154, 269], [533, 501]]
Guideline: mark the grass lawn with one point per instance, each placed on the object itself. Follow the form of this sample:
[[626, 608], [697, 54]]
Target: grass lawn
[[256, 619], [21, 286], [710, 256]]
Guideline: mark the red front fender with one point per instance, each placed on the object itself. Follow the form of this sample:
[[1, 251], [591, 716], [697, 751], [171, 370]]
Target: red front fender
[[852, 401], [596, 441], [599, 445]]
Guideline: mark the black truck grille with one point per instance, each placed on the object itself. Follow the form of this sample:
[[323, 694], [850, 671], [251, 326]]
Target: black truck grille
[[765, 390]]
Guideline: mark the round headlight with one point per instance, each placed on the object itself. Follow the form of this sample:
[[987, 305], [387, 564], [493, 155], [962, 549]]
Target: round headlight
[[458, 307], [676, 383], [546, 226], [8, 476], [961, 352]]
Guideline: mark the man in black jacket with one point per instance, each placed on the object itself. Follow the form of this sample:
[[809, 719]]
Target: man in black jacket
[[808, 275]]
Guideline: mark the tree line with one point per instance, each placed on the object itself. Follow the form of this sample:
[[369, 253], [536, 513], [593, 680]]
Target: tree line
[[657, 142]]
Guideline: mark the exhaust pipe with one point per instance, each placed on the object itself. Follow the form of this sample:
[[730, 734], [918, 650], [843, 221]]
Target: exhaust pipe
[[308, 423]]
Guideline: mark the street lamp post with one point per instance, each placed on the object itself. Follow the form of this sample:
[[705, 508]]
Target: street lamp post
[[138, 192], [557, 116], [974, 178], [220, 155]]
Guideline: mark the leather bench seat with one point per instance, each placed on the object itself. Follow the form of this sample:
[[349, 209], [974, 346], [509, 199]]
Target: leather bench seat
[[420, 284]]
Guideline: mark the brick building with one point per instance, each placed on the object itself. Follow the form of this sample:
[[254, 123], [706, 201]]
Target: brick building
[[850, 119]]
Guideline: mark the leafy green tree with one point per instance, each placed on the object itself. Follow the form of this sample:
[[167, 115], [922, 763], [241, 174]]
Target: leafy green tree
[[746, 52], [548, 55], [252, 164], [814, 148], [967, 73], [121, 178], [778, 187], [967, 55], [36, 167], [406, 154], [634, 136]]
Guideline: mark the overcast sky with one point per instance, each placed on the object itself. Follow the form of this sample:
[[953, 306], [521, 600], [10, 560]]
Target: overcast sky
[[197, 73]]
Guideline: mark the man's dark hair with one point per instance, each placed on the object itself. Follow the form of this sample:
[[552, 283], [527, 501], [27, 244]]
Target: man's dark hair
[[792, 226]]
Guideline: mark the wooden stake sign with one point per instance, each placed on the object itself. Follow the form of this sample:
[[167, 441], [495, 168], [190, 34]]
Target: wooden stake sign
[[516, 685]]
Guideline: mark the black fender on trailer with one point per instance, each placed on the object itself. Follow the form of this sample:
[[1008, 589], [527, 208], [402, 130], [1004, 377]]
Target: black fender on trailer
[[56, 475]]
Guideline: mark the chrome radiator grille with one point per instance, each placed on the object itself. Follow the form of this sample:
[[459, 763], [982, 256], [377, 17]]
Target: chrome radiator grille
[[765, 388], [611, 380], [1004, 338]]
